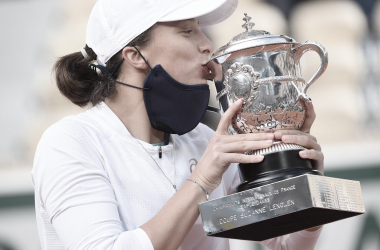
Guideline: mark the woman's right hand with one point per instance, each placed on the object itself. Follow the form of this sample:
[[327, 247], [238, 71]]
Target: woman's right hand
[[225, 149]]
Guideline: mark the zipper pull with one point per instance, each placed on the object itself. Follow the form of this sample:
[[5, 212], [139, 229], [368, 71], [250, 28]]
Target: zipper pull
[[159, 152]]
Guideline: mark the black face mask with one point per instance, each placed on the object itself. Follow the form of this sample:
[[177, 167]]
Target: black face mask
[[172, 107]]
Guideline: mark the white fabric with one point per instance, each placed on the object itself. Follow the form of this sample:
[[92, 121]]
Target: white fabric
[[115, 23], [208, 12], [95, 185]]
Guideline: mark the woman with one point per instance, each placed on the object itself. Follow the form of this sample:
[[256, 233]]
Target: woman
[[121, 175]]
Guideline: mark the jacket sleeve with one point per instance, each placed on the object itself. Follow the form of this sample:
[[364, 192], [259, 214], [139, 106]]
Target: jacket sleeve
[[75, 196]]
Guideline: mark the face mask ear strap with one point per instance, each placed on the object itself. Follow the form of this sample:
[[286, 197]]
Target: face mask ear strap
[[142, 57], [105, 71]]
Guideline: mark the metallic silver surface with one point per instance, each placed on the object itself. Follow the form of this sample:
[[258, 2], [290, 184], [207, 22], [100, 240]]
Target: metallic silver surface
[[336, 193], [264, 70], [280, 199], [276, 147], [249, 39]]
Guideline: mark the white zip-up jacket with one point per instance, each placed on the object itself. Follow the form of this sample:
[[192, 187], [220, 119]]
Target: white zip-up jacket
[[95, 185]]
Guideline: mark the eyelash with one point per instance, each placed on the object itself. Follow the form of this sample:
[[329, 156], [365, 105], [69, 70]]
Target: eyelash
[[188, 31]]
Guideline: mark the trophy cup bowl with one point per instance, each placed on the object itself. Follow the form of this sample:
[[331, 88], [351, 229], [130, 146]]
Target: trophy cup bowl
[[264, 71], [283, 193]]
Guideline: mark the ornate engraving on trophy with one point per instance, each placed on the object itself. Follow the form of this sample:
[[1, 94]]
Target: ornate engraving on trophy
[[349, 197], [286, 189], [253, 202], [240, 82], [264, 71], [324, 189], [283, 198], [228, 219], [281, 205], [336, 193], [280, 87], [261, 113], [230, 204], [253, 212], [259, 203]]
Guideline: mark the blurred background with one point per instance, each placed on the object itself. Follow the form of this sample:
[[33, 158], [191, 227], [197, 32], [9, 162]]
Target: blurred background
[[34, 33]]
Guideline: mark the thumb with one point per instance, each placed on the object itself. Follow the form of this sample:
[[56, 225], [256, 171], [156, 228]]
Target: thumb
[[310, 117], [227, 117]]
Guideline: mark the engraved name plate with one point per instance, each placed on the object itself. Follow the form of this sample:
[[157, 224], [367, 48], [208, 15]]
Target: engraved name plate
[[316, 199]]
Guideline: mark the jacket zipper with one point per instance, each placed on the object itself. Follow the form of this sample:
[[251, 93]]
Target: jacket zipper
[[159, 152]]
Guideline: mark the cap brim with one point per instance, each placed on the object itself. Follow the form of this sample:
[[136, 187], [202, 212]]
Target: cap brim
[[208, 12]]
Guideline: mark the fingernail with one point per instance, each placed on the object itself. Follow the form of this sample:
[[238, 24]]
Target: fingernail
[[303, 153], [260, 157], [285, 138], [269, 142]]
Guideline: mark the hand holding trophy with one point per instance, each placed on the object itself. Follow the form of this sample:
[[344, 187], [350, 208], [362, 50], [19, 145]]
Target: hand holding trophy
[[283, 193]]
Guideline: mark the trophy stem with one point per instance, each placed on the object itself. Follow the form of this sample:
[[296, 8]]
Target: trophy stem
[[275, 167]]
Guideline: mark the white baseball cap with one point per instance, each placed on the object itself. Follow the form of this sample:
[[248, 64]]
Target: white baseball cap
[[115, 23]]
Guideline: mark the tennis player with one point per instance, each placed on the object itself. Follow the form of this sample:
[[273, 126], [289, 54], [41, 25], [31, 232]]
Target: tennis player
[[129, 172]]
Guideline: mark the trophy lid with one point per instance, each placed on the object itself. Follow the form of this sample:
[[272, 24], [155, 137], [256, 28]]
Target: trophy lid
[[250, 39]]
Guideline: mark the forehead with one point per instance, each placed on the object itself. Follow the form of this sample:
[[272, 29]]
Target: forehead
[[170, 32], [181, 23]]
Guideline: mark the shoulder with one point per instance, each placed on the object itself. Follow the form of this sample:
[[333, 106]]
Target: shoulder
[[76, 135], [80, 127], [66, 145]]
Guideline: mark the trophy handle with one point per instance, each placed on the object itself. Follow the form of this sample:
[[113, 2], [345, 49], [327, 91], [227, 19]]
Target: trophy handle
[[298, 53], [220, 94]]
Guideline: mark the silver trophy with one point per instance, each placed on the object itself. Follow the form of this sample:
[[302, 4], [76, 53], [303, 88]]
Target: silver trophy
[[283, 193]]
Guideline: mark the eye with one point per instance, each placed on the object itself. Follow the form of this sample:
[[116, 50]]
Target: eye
[[187, 31]]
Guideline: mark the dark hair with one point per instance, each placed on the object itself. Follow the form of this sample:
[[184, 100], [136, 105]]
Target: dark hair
[[82, 85]]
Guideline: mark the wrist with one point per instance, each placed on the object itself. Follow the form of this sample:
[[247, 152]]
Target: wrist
[[207, 185], [203, 189]]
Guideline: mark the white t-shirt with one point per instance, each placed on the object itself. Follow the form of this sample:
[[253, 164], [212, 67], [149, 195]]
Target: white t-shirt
[[95, 185]]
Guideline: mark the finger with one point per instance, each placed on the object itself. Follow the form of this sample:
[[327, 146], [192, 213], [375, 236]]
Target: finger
[[311, 154], [314, 155], [210, 76], [242, 158], [279, 133], [310, 117], [221, 139], [216, 73], [244, 146], [301, 140], [227, 117]]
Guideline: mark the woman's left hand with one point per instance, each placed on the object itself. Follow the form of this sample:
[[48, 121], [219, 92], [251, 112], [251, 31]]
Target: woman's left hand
[[302, 137]]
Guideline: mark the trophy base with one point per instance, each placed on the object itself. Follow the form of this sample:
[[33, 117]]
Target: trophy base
[[282, 207], [285, 224], [275, 167]]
